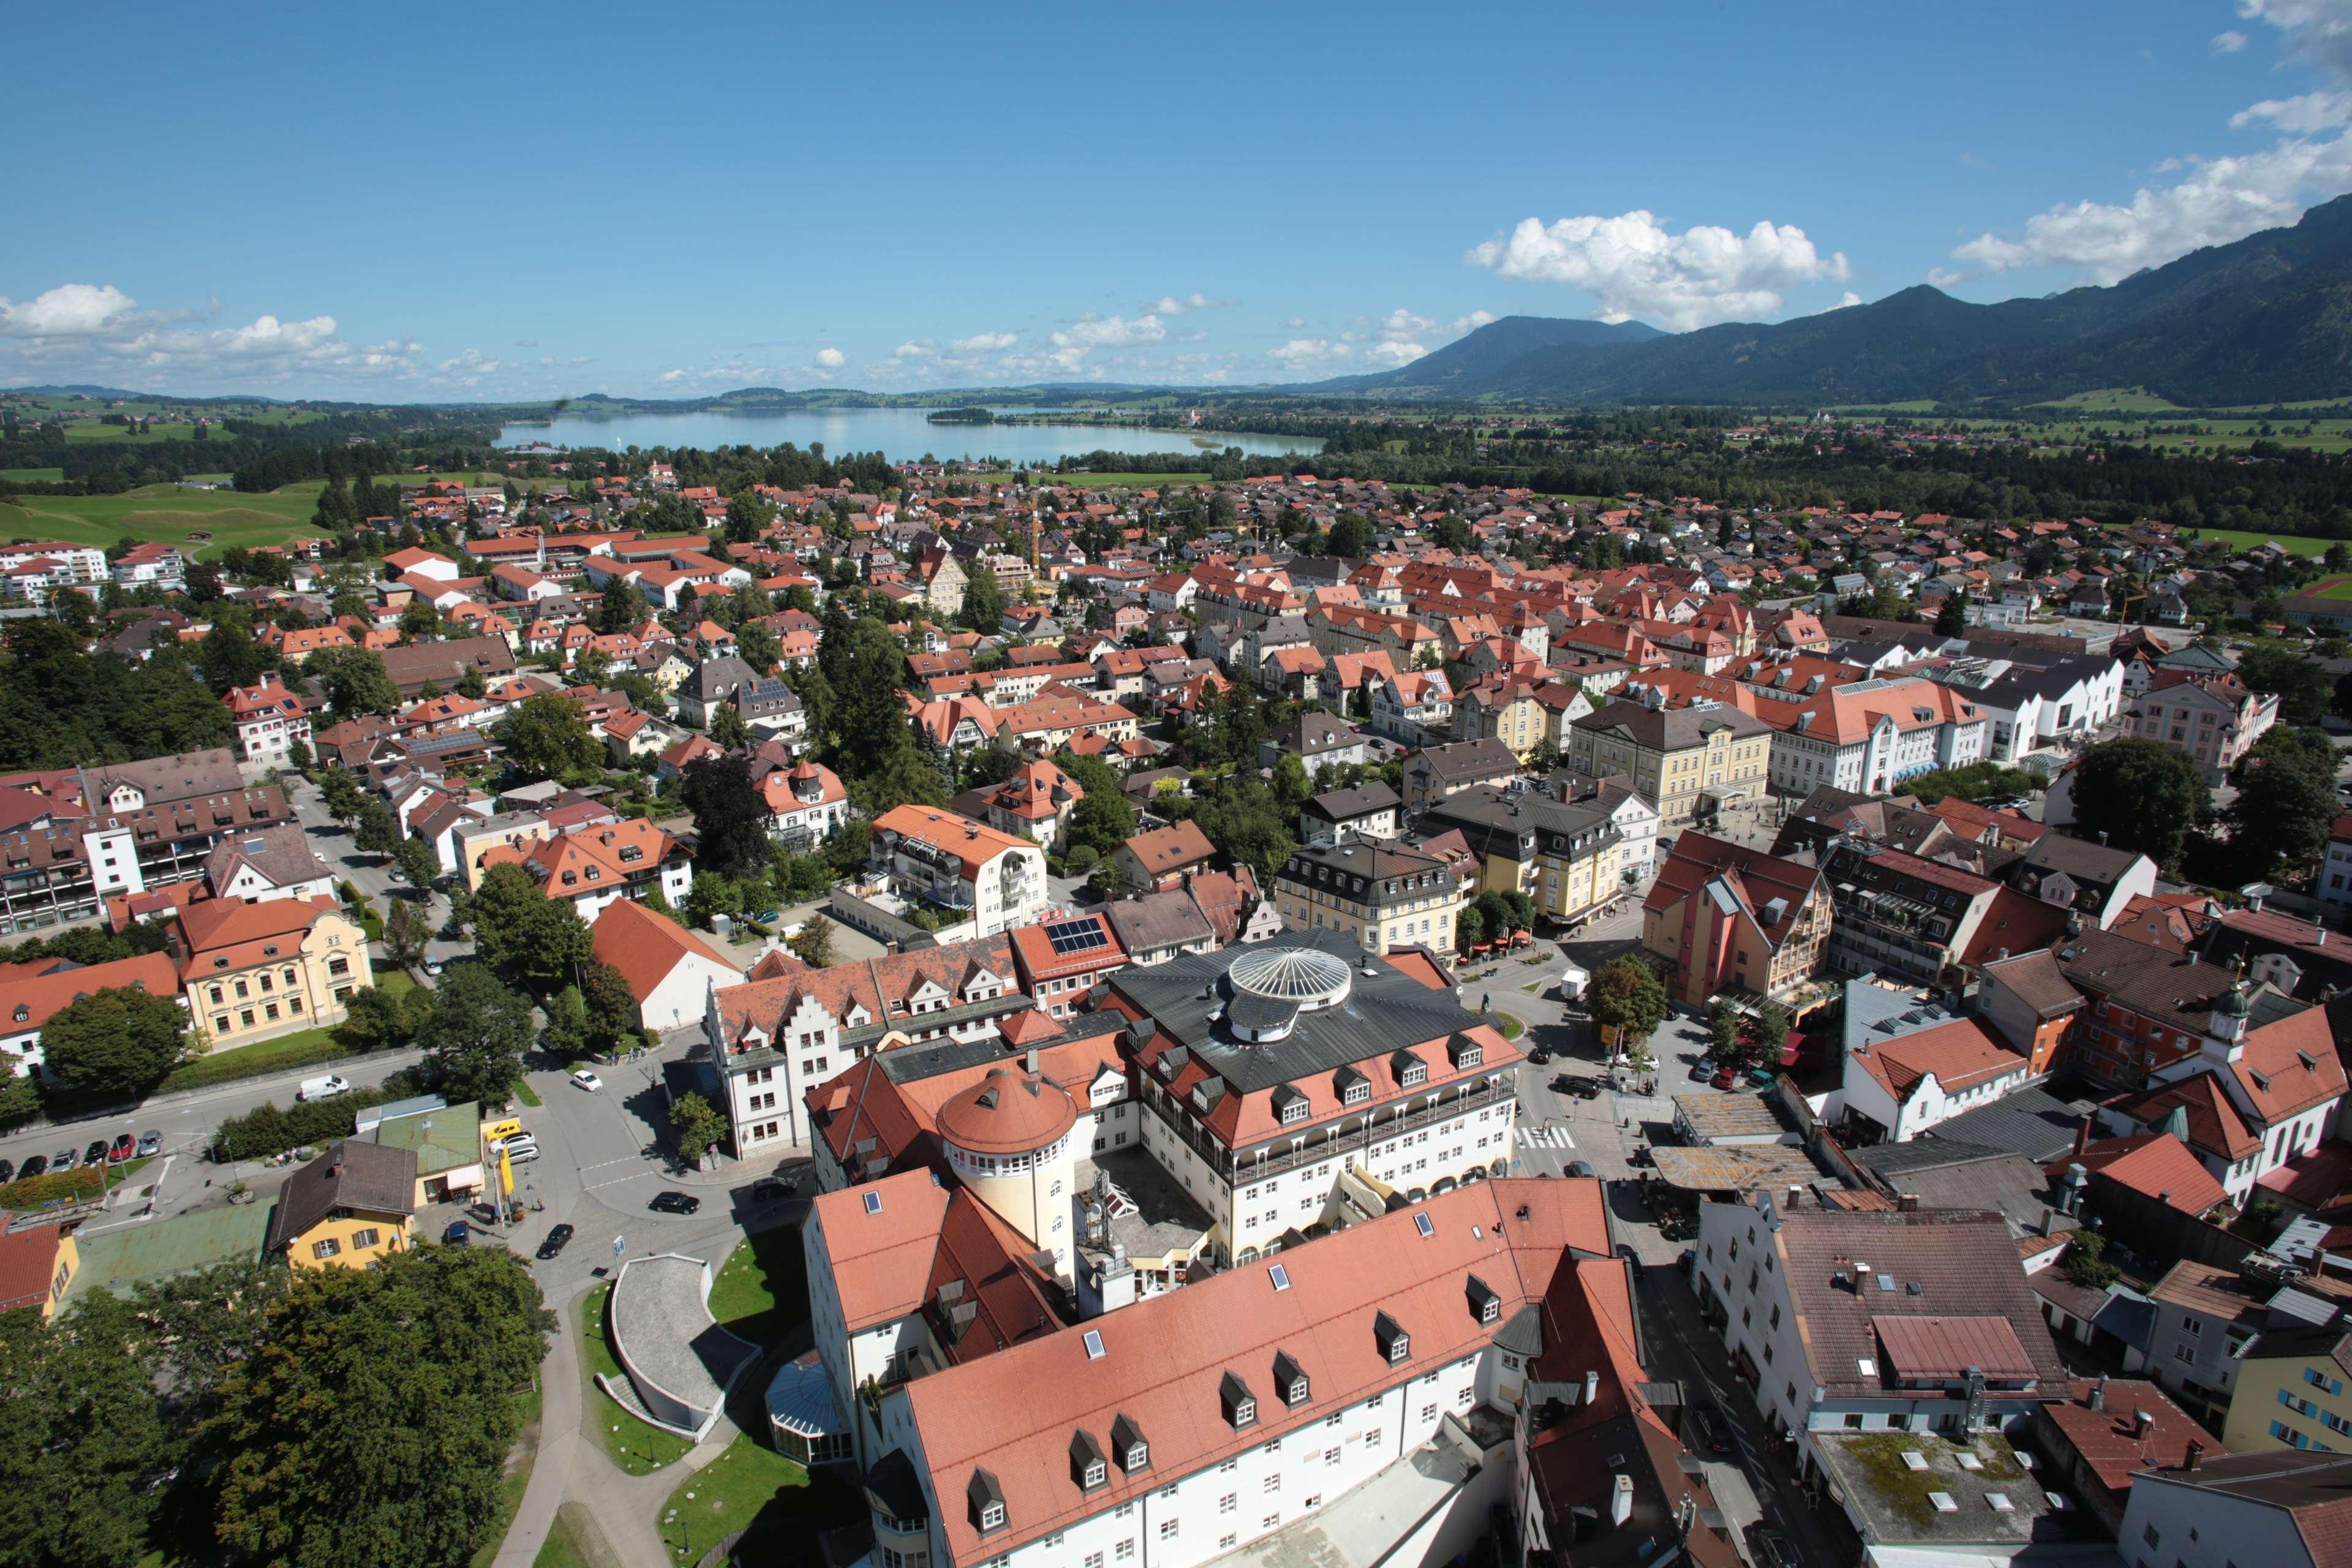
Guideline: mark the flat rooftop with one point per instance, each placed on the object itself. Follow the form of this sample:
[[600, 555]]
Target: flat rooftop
[[1734, 1167], [665, 1335], [1741, 1116], [1913, 1488], [1166, 1218]]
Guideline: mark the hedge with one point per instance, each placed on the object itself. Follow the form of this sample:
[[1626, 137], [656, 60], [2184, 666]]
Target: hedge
[[83, 1182], [269, 1129]]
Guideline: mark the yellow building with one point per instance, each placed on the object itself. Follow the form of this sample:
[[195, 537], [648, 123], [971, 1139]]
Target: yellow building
[[1686, 762], [1383, 895], [351, 1206], [2290, 1393], [249, 971], [1568, 857], [36, 1265], [1507, 711]]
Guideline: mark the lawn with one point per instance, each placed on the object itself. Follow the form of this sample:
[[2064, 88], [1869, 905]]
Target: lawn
[[2293, 544], [33, 475], [761, 1293], [169, 513], [574, 1541], [299, 1049], [2327, 588], [2115, 400], [1512, 1028], [511, 1485], [636, 1447], [753, 1488]]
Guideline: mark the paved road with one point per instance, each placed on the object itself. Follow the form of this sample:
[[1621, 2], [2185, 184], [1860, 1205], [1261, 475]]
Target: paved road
[[373, 875]]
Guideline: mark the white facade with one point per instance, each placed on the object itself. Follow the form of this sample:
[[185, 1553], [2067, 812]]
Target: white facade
[[1929, 1103], [2336, 874]]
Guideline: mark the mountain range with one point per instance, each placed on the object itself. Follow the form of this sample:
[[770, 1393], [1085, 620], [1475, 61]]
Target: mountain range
[[2267, 319]]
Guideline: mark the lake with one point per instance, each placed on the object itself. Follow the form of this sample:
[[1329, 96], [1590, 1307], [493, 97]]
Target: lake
[[899, 434]]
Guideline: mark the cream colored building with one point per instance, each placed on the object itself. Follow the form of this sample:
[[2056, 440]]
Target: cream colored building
[[1385, 896], [1686, 762], [251, 971]]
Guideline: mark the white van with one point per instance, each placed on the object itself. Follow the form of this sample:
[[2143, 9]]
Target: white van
[[323, 1088]]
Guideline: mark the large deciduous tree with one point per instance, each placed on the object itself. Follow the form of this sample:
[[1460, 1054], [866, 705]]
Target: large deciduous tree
[[731, 816], [521, 931], [372, 1422], [474, 1036], [548, 737], [116, 1041], [2142, 794], [1626, 995]]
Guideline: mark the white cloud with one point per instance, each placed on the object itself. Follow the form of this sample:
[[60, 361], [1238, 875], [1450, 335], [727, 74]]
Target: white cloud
[[914, 348], [1304, 353], [2220, 200], [1633, 266], [1177, 304], [1846, 299], [1293, 323], [1948, 277], [2215, 200], [984, 343], [69, 309], [829, 359], [1093, 332], [1402, 324], [1396, 354]]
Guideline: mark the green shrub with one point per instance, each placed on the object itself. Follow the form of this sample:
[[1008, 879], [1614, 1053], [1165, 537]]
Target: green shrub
[[87, 1181], [268, 1129]]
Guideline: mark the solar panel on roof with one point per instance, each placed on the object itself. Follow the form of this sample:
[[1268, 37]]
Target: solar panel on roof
[[1076, 936]]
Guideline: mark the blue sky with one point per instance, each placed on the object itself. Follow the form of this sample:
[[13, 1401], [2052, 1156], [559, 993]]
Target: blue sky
[[436, 203]]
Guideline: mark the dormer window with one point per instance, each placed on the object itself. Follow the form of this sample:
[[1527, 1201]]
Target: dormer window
[[1411, 1072], [1089, 1466], [1395, 1344], [1289, 1378], [1465, 1052], [1289, 1104], [1485, 1305], [987, 1501], [1241, 1404], [1128, 1442]]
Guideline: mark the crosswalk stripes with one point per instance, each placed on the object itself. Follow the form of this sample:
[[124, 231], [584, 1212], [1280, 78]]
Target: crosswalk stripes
[[1547, 1138]]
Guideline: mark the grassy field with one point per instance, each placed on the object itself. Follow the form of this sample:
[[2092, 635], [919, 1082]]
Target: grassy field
[[304, 1048], [761, 1293], [2114, 400], [753, 1488], [33, 475], [635, 1446], [2328, 588], [2293, 544], [168, 513], [572, 1541]]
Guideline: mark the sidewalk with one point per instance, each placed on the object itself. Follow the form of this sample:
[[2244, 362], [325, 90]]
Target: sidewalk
[[559, 1442]]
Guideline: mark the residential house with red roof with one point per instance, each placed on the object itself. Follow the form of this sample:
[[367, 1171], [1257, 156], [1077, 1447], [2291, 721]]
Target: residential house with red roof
[[1897, 1086], [672, 972], [926, 855], [597, 864], [1728, 916], [271, 717]]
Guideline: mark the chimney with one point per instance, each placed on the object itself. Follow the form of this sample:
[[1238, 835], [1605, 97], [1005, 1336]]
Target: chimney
[[2083, 1135], [1621, 1498], [1907, 1202], [2099, 1392], [1591, 1387], [2196, 1452], [2142, 1424], [1032, 1062]]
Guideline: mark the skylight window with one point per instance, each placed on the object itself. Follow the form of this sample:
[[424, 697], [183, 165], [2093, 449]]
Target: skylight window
[[1094, 1344], [1280, 1276], [874, 1203], [1421, 1223]]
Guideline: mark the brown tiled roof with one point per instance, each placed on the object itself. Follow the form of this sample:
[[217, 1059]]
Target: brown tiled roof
[[2108, 1440], [1171, 849], [2035, 979], [351, 1175], [1962, 1260]]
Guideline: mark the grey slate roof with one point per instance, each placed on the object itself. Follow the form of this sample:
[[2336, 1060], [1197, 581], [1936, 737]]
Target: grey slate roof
[[2032, 1123], [1385, 1011]]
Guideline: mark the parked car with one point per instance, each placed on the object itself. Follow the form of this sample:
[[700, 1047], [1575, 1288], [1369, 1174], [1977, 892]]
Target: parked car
[[34, 1165], [1688, 1260], [63, 1160], [1702, 1069], [1724, 1078], [675, 1203], [1539, 1056], [582, 1078], [121, 1149], [460, 1233], [772, 1189], [7, 1171], [150, 1144], [94, 1153], [433, 967], [1768, 1547], [1582, 1168], [324, 1087], [1714, 1431], [521, 1151], [557, 1236]]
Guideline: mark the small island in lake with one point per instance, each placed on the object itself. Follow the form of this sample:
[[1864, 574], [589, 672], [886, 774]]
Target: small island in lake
[[962, 417]]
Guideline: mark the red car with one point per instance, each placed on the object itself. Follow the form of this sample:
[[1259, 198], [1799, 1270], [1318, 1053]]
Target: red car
[[1724, 1078], [120, 1149]]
